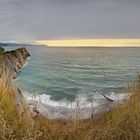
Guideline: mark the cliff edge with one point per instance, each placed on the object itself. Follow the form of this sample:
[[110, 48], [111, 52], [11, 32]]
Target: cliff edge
[[13, 61], [10, 63]]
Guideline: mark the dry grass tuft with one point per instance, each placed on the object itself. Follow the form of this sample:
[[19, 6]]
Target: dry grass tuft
[[122, 123]]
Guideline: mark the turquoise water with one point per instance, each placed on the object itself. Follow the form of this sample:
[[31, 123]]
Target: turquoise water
[[69, 74]]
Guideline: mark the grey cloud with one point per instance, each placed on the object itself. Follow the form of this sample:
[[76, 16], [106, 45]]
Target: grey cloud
[[25, 20]]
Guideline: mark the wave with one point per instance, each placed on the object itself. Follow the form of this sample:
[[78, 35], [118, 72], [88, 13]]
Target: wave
[[17, 78], [26, 63], [85, 104], [28, 58]]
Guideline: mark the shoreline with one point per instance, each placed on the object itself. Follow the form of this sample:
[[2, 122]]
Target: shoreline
[[20, 120], [67, 113], [93, 112], [79, 109]]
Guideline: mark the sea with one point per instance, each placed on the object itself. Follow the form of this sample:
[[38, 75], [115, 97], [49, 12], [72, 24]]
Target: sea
[[62, 80]]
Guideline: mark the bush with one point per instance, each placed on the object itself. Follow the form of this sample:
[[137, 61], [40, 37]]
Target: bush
[[1, 50]]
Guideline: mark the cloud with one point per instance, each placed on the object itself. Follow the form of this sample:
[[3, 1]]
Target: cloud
[[25, 20]]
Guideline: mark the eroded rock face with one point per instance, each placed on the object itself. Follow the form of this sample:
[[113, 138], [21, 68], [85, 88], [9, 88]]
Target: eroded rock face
[[10, 63], [14, 60]]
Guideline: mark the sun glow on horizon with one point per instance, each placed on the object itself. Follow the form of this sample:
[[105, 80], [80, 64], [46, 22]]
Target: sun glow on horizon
[[91, 43]]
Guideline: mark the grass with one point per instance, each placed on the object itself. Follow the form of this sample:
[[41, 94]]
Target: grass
[[121, 123], [1, 50]]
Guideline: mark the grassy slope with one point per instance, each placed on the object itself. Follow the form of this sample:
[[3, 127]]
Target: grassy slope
[[122, 123]]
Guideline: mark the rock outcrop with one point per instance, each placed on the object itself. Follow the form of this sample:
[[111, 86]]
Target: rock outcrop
[[10, 63], [14, 60]]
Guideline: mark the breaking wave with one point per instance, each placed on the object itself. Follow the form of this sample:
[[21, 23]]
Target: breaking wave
[[85, 105]]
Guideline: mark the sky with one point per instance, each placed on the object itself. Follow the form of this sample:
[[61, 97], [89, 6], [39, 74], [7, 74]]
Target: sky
[[35, 20]]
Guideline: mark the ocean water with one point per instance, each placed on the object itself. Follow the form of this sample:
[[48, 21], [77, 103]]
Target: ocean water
[[63, 78]]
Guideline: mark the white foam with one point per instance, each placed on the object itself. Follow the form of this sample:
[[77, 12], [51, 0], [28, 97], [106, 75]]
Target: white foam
[[28, 58], [46, 99], [65, 109], [17, 78], [26, 63]]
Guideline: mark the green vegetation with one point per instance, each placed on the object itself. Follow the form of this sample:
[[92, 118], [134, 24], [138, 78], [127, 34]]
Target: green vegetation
[[122, 123], [1, 50]]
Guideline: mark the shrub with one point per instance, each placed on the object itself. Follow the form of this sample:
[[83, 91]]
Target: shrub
[[1, 50]]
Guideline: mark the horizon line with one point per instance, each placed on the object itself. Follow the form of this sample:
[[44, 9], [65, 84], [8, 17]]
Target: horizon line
[[127, 42]]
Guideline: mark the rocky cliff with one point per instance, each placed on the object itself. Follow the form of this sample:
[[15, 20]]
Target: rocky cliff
[[13, 61], [10, 63]]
